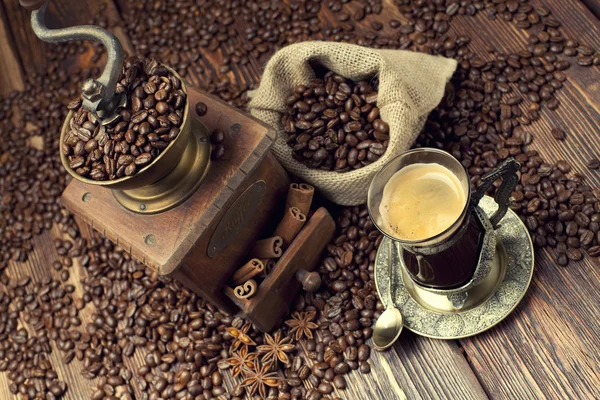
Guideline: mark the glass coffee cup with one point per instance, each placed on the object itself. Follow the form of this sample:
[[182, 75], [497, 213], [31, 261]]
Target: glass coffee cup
[[422, 201]]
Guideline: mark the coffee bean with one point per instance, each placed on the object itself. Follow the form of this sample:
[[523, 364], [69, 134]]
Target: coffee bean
[[335, 138], [304, 372], [558, 133], [571, 229], [586, 238], [364, 352], [365, 367], [100, 151], [562, 259], [593, 163], [325, 388], [574, 254], [594, 251], [582, 220], [563, 166]]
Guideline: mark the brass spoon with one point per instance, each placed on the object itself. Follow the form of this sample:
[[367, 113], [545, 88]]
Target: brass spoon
[[389, 324]]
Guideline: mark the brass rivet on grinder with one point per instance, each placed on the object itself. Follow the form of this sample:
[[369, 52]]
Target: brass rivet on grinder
[[150, 240]]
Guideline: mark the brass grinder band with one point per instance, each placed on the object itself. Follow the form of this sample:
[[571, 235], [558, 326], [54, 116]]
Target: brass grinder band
[[170, 179], [179, 184]]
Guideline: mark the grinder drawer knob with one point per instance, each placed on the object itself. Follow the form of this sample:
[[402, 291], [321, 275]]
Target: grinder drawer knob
[[311, 281]]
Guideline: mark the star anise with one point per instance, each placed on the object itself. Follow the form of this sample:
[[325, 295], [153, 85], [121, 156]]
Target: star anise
[[258, 378], [241, 337], [240, 360], [275, 348], [301, 325]]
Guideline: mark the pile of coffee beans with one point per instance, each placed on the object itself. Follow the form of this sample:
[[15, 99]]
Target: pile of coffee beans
[[31, 174], [25, 357], [334, 124], [144, 128], [485, 117], [349, 304]]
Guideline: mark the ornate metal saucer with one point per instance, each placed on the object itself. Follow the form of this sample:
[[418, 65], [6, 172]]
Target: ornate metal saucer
[[488, 303]]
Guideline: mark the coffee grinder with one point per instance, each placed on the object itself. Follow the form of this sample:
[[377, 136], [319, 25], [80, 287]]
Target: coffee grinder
[[183, 215]]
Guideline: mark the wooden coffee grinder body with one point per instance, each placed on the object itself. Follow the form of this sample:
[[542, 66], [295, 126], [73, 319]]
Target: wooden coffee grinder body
[[203, 240]]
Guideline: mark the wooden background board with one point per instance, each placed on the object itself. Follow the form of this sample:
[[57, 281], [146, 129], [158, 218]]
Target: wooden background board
[[594, 6], [12, 75], [545, 348], [548, 348]]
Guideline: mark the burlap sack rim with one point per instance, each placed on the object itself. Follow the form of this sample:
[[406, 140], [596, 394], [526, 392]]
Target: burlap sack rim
[[414, 120]]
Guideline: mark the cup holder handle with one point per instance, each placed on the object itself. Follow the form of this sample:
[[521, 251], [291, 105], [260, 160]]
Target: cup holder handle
[[508, 172]]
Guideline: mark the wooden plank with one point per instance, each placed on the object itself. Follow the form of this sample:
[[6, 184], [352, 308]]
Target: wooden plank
[[547, 348], [423, 368], [11, 73], [543, 349], [594, 6], [37, 267]]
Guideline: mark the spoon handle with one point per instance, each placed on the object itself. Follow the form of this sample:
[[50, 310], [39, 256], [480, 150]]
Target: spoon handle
[[393, 261]]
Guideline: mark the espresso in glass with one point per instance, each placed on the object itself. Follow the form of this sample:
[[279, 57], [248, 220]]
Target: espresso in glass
[[422, 201]]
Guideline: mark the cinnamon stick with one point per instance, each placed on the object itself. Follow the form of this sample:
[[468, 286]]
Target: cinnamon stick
[[268, 248], [269, 264], [245, 290], [248, 271], [300, 196], [293, 220]]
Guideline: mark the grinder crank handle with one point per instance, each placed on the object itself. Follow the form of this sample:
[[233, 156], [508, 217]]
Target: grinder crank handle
[[31, 4], [98, 95], [311, 281]]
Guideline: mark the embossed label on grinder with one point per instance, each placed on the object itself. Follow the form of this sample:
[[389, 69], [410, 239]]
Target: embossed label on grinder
[[236, 218]]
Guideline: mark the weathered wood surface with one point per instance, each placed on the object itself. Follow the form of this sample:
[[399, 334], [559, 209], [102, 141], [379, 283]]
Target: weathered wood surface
[[546, 349], [11, 77]]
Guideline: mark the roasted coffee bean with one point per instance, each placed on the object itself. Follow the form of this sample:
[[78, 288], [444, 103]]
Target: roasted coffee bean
[[364, 352], [594, 251], [558, 133], [335, 138], [574, 254], [142, 117], [563, 166], [593, 163], [325, 388], [562, 259], [581, 219]]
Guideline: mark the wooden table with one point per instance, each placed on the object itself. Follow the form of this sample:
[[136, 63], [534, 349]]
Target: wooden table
[[547, 349]]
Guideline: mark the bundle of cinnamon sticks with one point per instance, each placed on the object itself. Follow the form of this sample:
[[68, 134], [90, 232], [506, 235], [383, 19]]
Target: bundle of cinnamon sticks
[[266, 252]]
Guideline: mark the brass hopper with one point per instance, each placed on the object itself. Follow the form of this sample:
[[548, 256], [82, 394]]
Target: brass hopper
[[170, 179], [179, 169]]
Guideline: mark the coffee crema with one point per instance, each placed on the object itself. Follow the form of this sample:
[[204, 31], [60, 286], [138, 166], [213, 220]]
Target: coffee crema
[[421, 201]]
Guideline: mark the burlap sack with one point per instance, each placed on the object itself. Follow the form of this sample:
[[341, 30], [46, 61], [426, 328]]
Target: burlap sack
[[410, 86]]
